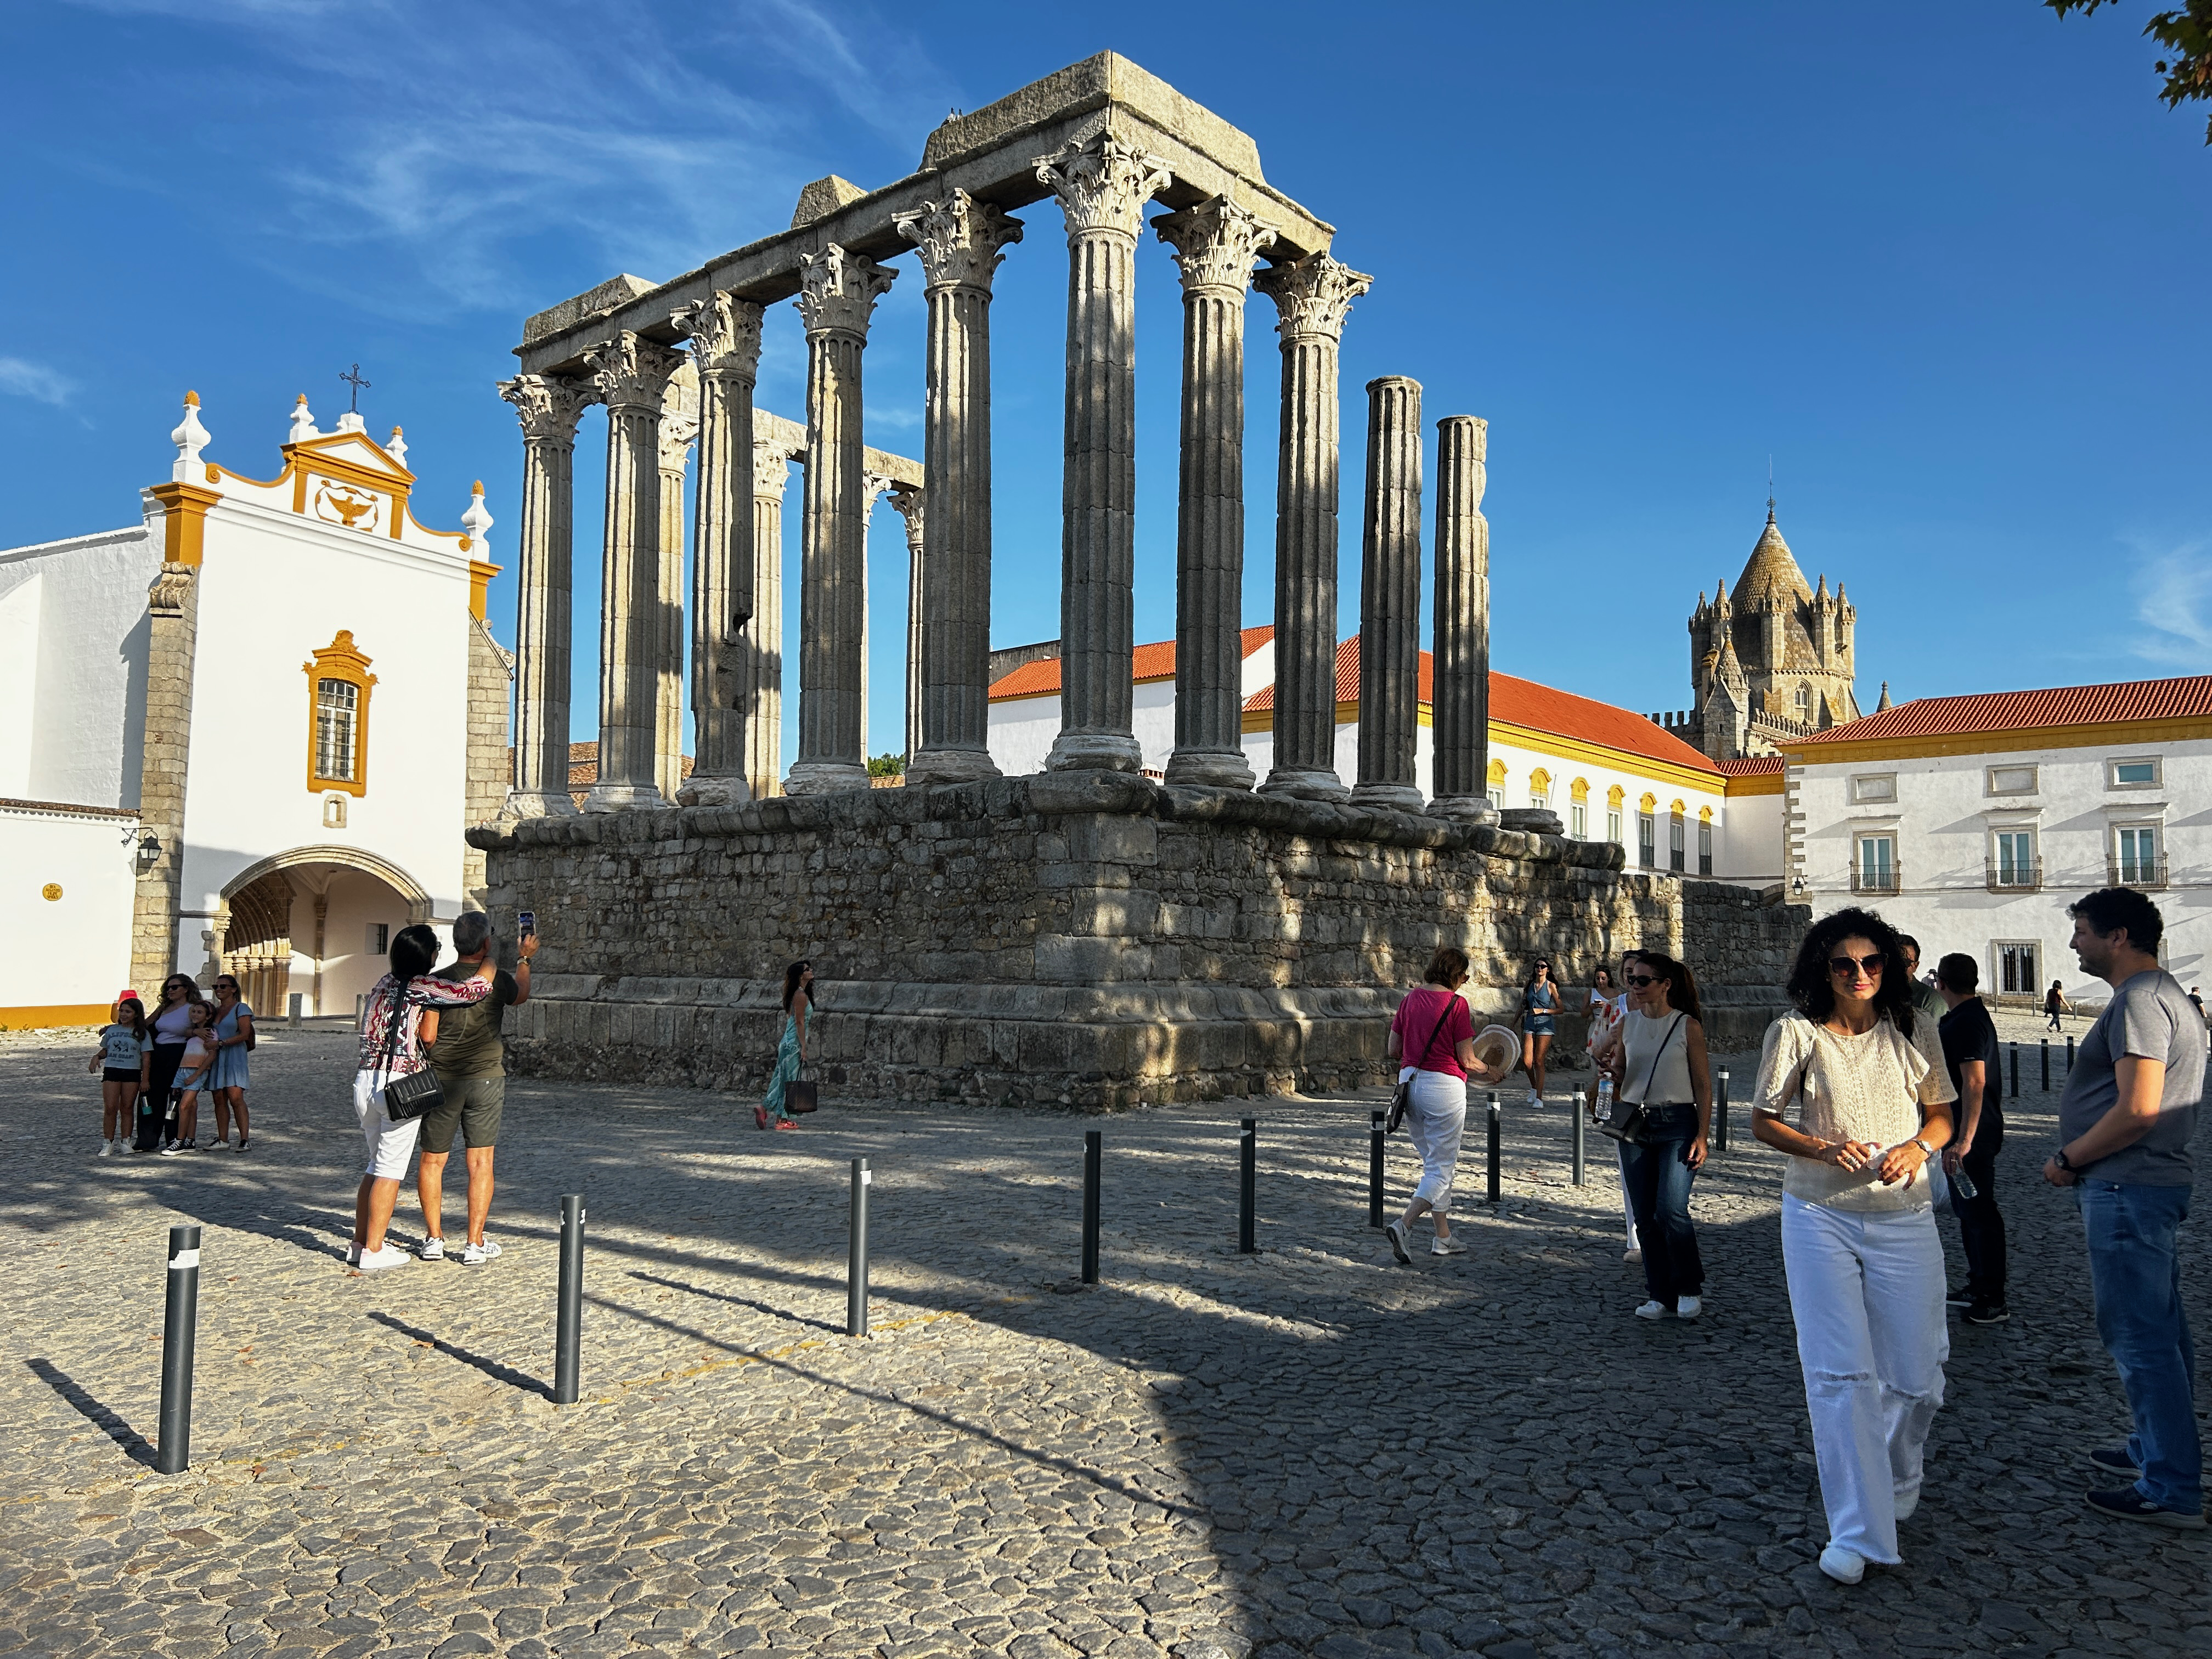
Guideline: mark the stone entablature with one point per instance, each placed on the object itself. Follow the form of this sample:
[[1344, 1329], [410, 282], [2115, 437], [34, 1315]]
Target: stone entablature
[[1087, 939]]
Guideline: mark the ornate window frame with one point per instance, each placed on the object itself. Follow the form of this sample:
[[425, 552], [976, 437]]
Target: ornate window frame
[[343, 660]]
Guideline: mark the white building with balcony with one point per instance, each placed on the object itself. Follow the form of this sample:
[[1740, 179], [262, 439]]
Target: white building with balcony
[[1971, 822]]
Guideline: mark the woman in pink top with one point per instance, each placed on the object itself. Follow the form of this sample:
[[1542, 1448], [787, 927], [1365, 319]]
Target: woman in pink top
[[1432, 1036]]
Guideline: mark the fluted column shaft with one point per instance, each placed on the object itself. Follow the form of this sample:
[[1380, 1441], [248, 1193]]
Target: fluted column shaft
[[632, 376], [948, 632], [757, 657], [1461, 627], [1390, 600], [909, 503], [549, 407], [1216, 244], [1103, 187], [1312, 296], [839, 295], [678, 425], [726, 336]]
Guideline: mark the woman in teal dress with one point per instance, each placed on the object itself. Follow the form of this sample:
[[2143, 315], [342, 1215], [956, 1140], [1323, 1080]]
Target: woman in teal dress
[[790, 1052], [227, 1082]]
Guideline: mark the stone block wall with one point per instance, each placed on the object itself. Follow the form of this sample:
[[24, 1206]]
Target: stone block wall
[[490, 760], [1740, 943], [1087, 939]]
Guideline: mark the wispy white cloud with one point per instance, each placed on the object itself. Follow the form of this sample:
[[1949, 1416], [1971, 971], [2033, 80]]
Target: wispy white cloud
[[2172, 593], [19, 378]]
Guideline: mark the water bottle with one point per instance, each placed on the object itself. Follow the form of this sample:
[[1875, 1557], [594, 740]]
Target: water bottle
[[1605, 1100], [1962, 1185]]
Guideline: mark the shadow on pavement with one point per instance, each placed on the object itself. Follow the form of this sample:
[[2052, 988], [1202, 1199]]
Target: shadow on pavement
[[107, 1421], [491, 1368]]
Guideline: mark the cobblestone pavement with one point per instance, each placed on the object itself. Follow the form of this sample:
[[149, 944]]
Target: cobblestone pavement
[[1307, 1451]]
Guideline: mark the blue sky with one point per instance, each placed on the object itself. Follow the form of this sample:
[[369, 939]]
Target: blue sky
[[1927, 258]]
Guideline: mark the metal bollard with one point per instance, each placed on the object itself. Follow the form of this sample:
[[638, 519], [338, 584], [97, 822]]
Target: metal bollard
[[1091, 1147], [1375, 1134], [569, 1326], [1577, 1108], [2013, 1048], [298, 1002], [1497, 1122], [2069, 1056], [1718, 1140], [180, 1327], [1247, 1187], [2044, 1043], [856, 1257]]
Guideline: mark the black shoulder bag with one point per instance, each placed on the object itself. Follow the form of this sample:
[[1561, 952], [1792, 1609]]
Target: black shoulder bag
[[418, 1092], [1629, 1122], [1401, 1098]]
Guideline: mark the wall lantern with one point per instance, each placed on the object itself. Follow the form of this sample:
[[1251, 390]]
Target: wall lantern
[[149, 851]]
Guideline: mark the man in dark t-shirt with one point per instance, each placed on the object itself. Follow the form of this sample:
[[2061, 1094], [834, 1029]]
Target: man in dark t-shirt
[[1969, 1054], [470, 1060]]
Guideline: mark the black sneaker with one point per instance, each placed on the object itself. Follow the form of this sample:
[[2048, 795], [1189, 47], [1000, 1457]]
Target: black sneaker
[[1988, 1312], [2129, 1505], [1961, 1297], [2113, 1460]]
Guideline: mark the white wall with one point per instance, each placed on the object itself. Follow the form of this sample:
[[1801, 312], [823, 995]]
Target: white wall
[[73, 951], [73, 637], [1944, 820], [1753, 842]]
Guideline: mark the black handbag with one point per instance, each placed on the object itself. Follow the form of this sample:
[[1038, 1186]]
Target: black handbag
[[1401, 1098], [1631, 1125], [800, 1095], [411, 1095]]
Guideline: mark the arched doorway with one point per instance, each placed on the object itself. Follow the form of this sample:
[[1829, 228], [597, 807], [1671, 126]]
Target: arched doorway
[[315, 920]]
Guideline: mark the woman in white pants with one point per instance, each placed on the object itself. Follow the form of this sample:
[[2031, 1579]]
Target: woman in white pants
[[1433, 1033], [1866, 1084]]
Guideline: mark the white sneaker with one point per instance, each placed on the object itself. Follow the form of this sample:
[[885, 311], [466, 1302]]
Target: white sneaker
[[377, 1262], [1631, 1254], [107, 1150], [1397, 1237], [1652, 1310], [1447, 1247], [477, 1254], [431, 1249], [1845, 1566], [122, 1143], [1907, 1504], [1535, 1099], [1688, 1307], [174, 1149]]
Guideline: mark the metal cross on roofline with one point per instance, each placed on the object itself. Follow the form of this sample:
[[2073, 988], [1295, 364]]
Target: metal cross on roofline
[[358, 385]]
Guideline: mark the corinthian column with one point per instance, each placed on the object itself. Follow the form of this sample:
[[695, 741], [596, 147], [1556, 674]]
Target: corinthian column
[[838, 294], [1390, 600], [1462, 624], [1217, 243], [949, 631], [1312, 296], [549, 406], [679, 424], [757, 657], [632, 375], [1103, 187], [725, 336]]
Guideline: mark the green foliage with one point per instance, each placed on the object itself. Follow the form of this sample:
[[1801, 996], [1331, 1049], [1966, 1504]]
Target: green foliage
[[887, 766], [2186, 34]]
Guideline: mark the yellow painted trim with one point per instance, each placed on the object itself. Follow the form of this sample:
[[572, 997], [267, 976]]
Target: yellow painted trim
[[1579, 790], [1678, 809], [1497, 771], [1757, 783], [1539, 779], [341, 660], [1705, 815], [480, 575], [1647, 802], [53, 1014], [1599, 754], [2093, 734], [183, 520], [1613, 797]]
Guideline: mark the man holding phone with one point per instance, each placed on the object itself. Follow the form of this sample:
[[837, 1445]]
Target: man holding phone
[[470, 1061]]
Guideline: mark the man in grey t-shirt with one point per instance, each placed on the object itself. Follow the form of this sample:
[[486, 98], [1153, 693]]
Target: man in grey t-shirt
[[2124, 1123]]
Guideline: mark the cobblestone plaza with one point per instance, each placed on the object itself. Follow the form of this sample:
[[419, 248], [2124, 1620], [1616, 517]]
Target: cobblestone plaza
[[1307, 1451]]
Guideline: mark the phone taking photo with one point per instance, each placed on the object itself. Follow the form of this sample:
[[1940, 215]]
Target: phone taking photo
[[525, 923]]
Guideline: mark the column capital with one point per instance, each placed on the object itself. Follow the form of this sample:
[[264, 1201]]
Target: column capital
[[632, 372], [549, 405], [676, 433], [838, 291], [725, 332], [961, 241], [771, 471], [1313, 294], [1103, 184], [1217, 243], [909, 501]]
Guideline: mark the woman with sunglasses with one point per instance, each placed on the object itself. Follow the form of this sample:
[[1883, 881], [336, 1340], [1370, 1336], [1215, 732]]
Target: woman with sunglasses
[[170, 1026], [1663, 1070], [227, 1082], [1867, 1086], [1539, 1024]]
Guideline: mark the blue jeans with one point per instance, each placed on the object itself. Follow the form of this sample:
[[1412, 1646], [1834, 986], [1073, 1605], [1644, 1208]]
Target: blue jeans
[[1657, 1174], [2135, 1267]]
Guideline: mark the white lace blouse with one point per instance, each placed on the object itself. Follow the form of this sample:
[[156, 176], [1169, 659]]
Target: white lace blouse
[[1868, 1088]]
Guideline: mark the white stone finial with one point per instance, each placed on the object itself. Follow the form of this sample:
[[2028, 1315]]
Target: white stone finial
[[351, 421], [190, 438], [398, 448], [476, 521], [303, 421]]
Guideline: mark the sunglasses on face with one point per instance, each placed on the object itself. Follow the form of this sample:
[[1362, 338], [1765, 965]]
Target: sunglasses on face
[[1871, 965], [1642, 979]]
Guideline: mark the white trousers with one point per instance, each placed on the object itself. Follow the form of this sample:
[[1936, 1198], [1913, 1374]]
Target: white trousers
[[1866, 1289], [1627, 1207], [1436, 1120]]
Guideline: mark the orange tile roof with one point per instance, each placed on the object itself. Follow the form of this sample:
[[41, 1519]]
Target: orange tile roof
[[2024, 711], [1149, 662], [1524, 703], [1752, 766]]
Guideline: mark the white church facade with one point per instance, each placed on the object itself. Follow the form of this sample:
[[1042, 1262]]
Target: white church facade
[[248, 731]]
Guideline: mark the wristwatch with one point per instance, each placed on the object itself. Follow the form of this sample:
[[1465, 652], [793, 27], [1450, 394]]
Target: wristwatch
[[1930, 1151], [2063, 1162]]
